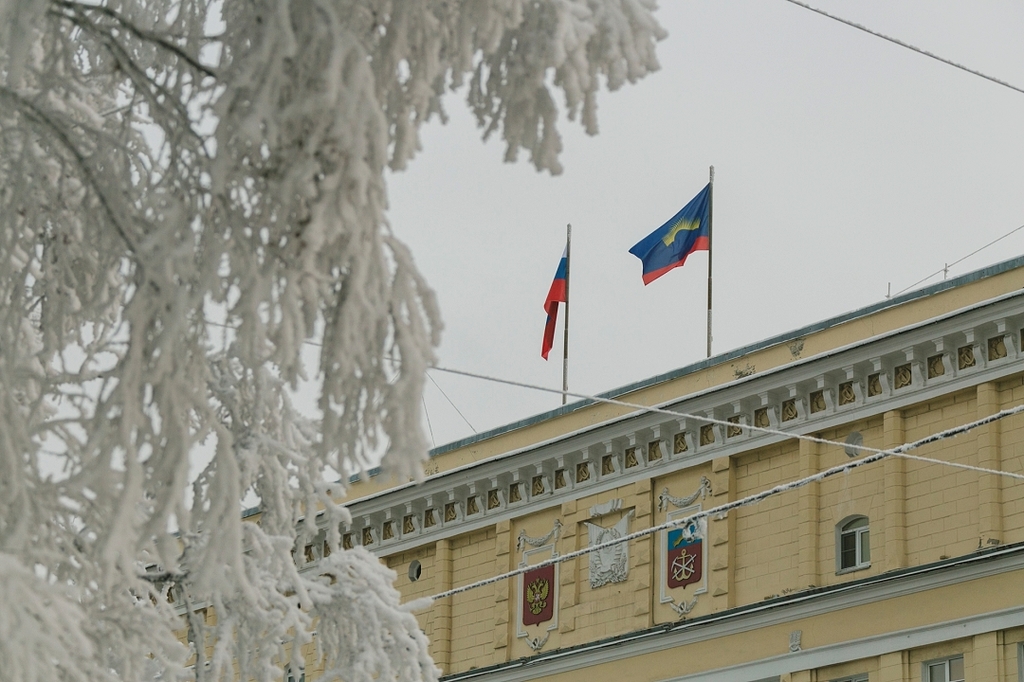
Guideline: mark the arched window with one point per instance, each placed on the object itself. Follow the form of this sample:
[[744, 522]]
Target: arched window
[[853, 544]]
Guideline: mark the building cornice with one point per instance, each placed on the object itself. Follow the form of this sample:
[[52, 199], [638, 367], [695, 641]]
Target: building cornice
[[848, 384]]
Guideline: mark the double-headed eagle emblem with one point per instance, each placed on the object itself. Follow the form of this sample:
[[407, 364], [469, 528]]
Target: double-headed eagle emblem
[[537, 595]]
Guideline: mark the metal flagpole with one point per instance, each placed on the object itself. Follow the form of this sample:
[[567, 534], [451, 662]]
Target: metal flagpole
[[565, 338], [711, 195]]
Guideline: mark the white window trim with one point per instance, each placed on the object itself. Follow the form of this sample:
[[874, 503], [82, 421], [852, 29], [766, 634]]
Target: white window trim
[[945, 659]]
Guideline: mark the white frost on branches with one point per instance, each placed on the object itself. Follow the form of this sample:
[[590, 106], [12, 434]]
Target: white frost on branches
[[172, 167]]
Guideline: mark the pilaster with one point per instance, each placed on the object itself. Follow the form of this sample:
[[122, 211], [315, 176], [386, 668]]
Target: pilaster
[[441, 632], [986, 661], [642, 560], [808, 510], [798, 676], [568, 590], [894, 667], [502, 590], [723, 536], [990, 492], [895, 494]]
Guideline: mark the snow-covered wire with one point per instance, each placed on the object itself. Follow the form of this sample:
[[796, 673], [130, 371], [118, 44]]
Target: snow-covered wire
[[899, 42], [723, 509]]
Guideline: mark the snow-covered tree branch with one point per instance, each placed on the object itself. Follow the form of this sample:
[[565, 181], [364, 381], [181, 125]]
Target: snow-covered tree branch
[[189, 190]]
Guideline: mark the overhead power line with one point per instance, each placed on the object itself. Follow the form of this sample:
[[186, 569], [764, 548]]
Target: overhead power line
[[451, 403], [959, 260], [897, 41]]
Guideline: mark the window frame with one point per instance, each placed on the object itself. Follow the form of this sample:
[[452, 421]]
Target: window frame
[[843, 530], [927, 665]]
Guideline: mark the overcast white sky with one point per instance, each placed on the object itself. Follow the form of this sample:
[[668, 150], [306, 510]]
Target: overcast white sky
[[843, 162]]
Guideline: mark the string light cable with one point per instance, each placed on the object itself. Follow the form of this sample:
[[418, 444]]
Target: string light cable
[[908, 46], [722, 510]]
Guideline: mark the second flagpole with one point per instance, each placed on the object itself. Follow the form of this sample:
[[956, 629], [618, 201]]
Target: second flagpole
[[711, 196], [565, 337]]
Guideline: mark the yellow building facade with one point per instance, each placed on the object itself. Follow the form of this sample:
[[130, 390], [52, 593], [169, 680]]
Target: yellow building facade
[[893, 571]]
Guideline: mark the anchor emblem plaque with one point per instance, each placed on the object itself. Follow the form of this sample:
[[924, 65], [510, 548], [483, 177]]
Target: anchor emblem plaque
[[684, 562]]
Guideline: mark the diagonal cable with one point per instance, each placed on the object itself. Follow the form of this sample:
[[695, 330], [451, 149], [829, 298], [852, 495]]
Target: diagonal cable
[[899, 42], [959, 260], [451, 403]]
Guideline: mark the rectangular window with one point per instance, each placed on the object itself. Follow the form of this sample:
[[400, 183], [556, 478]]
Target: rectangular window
[[855, 678], [946, 670]]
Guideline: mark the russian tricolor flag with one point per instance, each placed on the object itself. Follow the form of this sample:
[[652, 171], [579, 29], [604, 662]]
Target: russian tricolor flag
[[558, 293]]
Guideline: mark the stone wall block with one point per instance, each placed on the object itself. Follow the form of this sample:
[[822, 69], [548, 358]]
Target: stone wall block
[[643, 506], [567, 572], [500, 638]]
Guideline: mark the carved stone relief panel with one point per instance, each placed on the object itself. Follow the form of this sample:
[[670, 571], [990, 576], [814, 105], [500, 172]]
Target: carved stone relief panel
[[965, 357], [902, 376], [707, 434], [560, 479], [679, 443], [997, 348], [609, 564], [582, 472], [761, 418], [733, 431]]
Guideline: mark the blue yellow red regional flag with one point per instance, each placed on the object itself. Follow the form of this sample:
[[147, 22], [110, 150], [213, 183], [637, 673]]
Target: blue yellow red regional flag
[[558, 293], [669, 245]]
